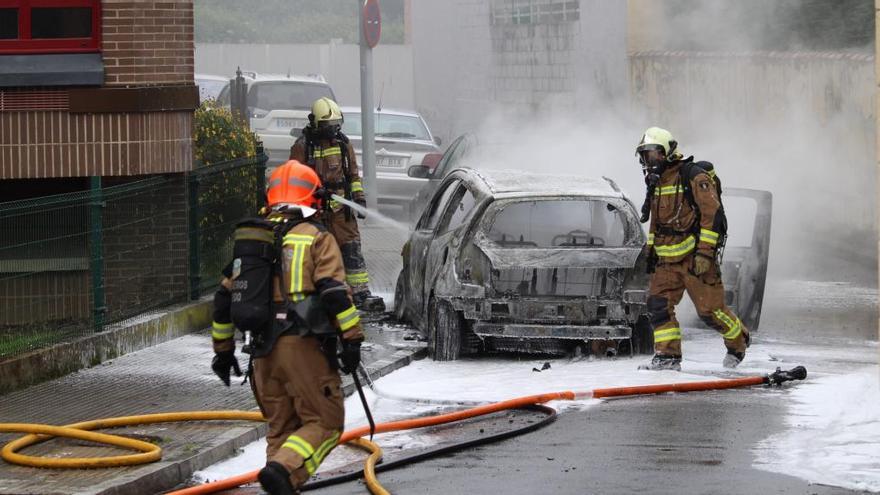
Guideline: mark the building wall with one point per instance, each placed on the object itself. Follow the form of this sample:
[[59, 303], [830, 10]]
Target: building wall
[[147, 42], [474, 57], [139, 122]]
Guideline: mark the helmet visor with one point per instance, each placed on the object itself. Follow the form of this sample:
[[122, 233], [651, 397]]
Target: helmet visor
[[650, 147]]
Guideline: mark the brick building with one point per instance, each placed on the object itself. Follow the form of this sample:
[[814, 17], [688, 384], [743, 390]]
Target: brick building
[[95, 94]]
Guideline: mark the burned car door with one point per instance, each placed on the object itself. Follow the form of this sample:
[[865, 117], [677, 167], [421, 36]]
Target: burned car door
[[744, 263], [448, 236], [416, 250]]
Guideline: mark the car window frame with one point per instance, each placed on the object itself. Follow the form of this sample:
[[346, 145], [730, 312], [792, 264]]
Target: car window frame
[[434, 205], [629, 218], [443, 226]]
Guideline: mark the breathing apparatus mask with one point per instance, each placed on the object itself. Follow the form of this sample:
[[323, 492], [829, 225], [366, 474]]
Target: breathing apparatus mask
[[323, 130], [653, 165]]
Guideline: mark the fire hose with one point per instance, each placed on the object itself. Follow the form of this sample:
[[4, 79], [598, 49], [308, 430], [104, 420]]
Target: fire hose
[[150, 452]]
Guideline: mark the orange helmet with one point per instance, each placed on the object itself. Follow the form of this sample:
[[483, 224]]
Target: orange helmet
[[293, 185]]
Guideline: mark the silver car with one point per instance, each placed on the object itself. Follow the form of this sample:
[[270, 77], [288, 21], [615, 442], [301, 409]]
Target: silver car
[[403, 139], [279, 108]]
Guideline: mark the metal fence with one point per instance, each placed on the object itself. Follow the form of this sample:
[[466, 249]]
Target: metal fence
[[71, 264]]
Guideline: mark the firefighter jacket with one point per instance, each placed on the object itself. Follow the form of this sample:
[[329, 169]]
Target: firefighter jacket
[[677, 228], [326, 157], [311, 263]]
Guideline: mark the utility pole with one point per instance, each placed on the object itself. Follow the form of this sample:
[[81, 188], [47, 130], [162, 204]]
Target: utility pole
[[368, 138]]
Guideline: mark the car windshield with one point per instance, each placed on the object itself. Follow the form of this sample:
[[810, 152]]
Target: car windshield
[[388, 125], [285, 95], [559, 223]]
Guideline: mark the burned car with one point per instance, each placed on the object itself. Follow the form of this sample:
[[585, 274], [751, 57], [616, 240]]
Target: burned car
[[510, 260], [505, 260]]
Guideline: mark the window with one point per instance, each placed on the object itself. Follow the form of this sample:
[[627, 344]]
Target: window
[[284, 95], [437, 206], [50, 26], [388, 125], [560, 224], [453, 156], [461, 208], [505, 12]]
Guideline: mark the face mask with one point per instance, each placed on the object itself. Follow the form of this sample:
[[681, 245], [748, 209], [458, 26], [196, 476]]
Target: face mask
[[327, 131]]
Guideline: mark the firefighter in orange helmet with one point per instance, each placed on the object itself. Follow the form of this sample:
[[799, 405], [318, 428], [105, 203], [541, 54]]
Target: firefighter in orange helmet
[[687, 226], [325, 148], [295, 378]]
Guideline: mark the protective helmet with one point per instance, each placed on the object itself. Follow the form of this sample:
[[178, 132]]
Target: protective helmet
[[326, 112], [656, 138], [293, 185]]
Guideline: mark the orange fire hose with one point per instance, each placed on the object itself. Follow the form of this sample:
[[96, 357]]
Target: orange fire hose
[[777, 378]]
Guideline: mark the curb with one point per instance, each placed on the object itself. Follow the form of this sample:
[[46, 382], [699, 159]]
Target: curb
[[118, 339], [164, 476]]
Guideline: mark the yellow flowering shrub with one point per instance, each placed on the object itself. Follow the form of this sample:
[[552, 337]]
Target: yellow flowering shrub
[[218, 136]]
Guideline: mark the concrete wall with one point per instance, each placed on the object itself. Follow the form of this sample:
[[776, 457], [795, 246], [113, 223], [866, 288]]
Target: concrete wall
[[339, 63], [801, 125], [473, 57]]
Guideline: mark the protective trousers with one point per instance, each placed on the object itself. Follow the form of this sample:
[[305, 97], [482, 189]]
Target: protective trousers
[[706, 291], [301, 397], [344, 229]]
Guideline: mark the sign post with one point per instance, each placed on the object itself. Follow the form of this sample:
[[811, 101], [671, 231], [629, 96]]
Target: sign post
[[370, 31]]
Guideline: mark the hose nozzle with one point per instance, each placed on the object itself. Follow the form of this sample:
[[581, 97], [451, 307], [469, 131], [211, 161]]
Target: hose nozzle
[[779, 376]]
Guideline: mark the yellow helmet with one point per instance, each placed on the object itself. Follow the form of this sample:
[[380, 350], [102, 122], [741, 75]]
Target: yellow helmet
[[326, 112], [656, 138]]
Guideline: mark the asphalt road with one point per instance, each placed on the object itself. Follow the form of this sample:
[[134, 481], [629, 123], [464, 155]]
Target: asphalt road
[[671, 444], [683, 444]]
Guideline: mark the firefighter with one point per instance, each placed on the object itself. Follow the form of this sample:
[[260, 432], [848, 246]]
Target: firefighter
[[295, 378], [326, 149], [682, 246]]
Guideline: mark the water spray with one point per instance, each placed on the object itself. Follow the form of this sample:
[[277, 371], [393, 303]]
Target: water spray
[[372, 214]]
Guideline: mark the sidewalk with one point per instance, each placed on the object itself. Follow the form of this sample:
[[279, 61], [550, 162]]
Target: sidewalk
[[173, 376]]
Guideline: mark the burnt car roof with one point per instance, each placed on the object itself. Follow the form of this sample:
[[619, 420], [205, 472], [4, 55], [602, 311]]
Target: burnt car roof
[[504, 182]]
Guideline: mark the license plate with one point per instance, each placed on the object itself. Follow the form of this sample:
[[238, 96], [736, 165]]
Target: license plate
[[391, 161], [289, 123]]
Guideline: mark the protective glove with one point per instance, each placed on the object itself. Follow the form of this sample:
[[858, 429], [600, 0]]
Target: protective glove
[[363, 203], [702, 264], [350, 356], [223, 363], [323, 194]]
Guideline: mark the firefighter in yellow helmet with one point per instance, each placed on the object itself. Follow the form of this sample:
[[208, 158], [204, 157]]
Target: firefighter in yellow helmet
[[687, 228], [295, 332], [326, 149]]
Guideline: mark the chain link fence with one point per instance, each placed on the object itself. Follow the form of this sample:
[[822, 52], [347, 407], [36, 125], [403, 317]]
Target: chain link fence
[[72, 264]]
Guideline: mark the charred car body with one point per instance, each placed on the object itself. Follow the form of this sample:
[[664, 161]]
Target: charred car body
[[516, 261], [508, 260]]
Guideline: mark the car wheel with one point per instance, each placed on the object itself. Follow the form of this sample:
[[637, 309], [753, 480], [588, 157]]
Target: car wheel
[[642, 336], [400, 298], [444, 339]]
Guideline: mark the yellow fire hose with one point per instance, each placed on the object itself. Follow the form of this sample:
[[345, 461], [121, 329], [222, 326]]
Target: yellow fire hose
[[149, 452]]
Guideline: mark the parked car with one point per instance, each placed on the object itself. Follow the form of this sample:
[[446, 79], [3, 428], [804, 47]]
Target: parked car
[[453, 158], [402, 139], [210, 86], [279, 108], [506, 260]]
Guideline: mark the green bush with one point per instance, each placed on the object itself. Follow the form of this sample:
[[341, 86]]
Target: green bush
[[218, 136]]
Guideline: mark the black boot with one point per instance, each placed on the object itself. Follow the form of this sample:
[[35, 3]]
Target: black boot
[[276, 480], [365, 301], [663, 362]]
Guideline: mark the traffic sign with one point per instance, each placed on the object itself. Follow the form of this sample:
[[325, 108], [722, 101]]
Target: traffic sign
[[372, 23]]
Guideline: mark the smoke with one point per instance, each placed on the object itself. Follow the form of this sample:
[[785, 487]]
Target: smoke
[[799, 126]]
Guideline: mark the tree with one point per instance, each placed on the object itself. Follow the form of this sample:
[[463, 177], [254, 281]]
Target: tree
[[289, 21]]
